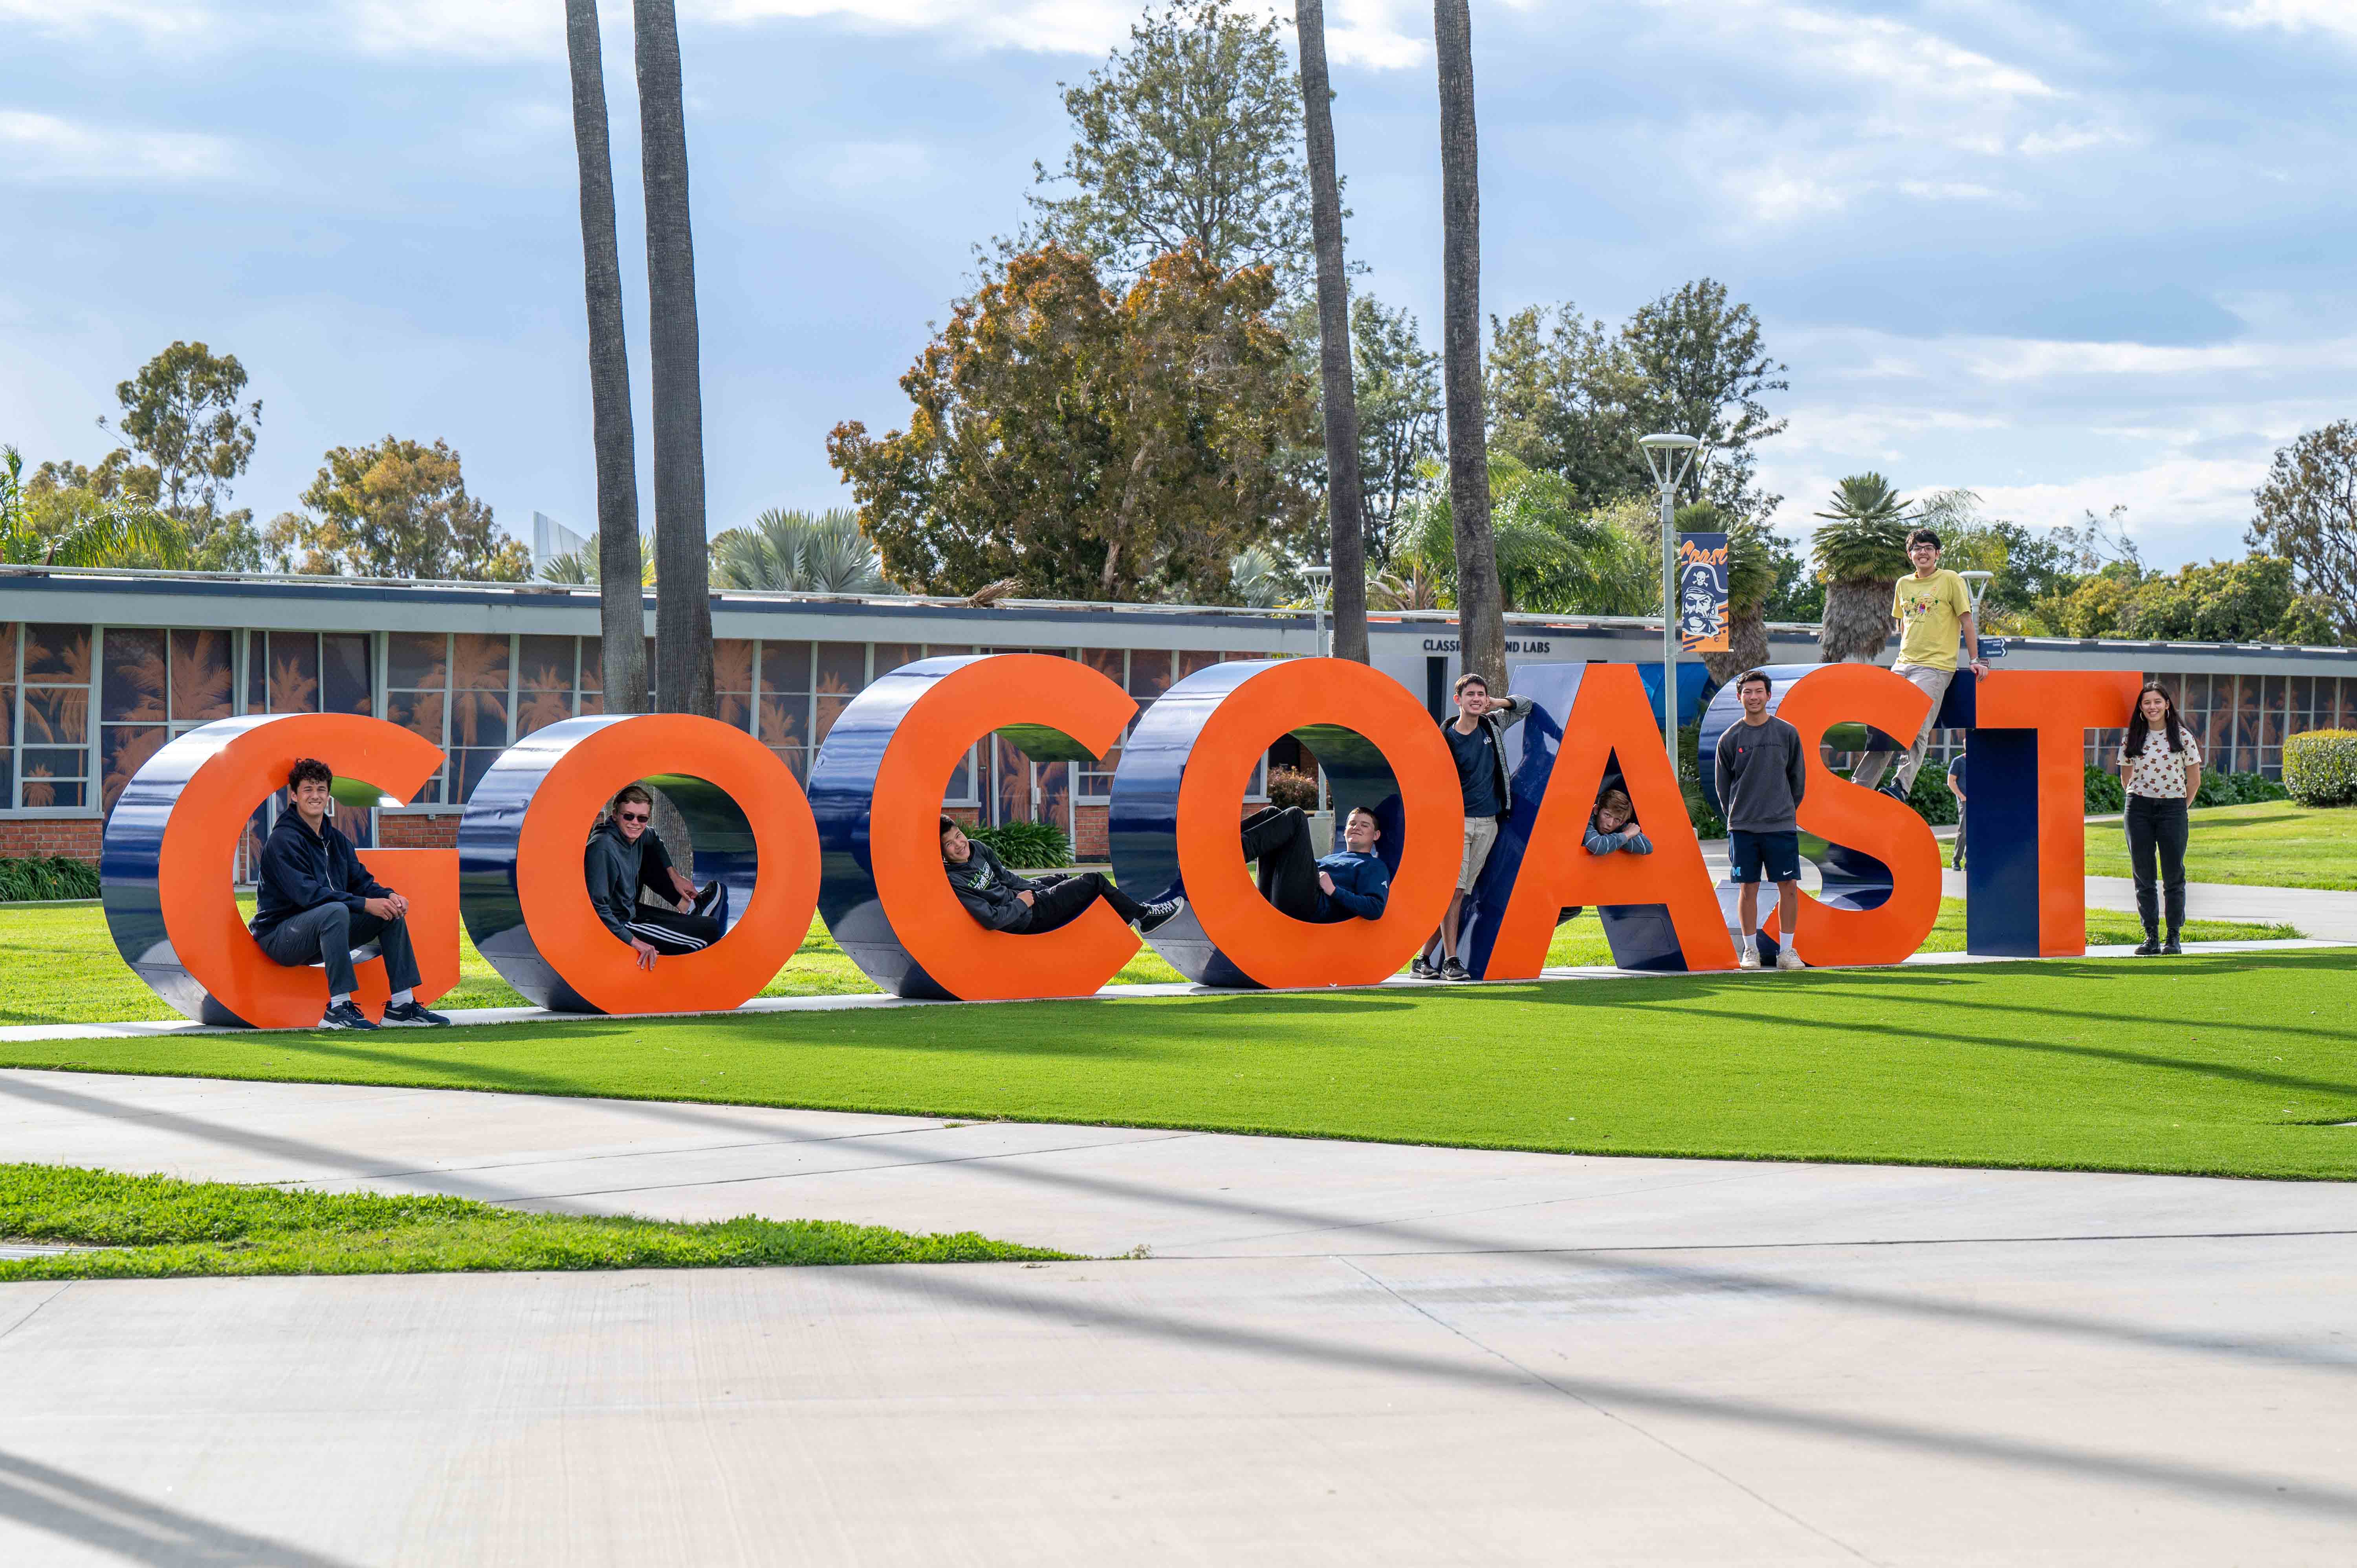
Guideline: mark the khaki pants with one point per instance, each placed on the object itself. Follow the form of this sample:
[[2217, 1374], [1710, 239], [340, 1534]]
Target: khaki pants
[[1934, 683]]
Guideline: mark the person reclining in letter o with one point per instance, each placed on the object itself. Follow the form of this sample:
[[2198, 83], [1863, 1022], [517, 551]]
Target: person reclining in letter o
[[314, 902], [1003, 900], [1352, 883], [623, 855]]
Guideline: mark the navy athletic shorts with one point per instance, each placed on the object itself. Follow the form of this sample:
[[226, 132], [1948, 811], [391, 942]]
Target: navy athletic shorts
[[1778, 854]]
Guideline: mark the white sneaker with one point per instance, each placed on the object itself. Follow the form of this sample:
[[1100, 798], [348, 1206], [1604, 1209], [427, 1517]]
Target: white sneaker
[[1748, 958], [1787, 958]]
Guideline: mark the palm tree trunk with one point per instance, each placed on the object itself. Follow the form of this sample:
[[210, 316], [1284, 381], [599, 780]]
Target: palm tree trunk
[[1345, 494], [622, 606], [1858, 621], [682, 554], [1480, 615], [1746, 643]]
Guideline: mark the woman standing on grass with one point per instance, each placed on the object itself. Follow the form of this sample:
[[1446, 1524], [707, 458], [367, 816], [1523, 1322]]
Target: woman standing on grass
[[2160, 764]]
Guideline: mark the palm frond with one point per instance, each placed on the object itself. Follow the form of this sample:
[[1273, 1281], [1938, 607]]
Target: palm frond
[[792, 551], [1864, 539]]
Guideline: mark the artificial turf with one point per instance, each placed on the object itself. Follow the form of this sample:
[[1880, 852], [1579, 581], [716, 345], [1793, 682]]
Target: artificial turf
[[2217, 1065], [152, 1226]]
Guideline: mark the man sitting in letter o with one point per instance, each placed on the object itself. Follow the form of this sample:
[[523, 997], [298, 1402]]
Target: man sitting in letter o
[[314, 902], [1352, 883], [1003, 900], [624, 856]]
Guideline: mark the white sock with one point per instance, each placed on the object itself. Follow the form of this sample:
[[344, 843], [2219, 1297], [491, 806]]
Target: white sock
[[340, 998], [398, 997]]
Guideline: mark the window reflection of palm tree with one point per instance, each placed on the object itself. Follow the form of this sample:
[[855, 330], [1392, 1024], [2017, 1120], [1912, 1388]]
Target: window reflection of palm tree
[[143, 672], [68, 716], [37, 793], [834, 697], [291, 690], [479, 686], [200, 675], [732, 679], [545, 696], [781, 730], [127, 753]]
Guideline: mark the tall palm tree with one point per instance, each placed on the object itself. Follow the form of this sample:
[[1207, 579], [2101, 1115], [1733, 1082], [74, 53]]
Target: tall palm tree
[[1860, 553], [1480, 614], [1345, 507], [792, 551], [683, 551], [621, 610]]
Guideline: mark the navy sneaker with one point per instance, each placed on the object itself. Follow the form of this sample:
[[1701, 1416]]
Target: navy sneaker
[[413, 1014], [345, 1016], [1154, 916]]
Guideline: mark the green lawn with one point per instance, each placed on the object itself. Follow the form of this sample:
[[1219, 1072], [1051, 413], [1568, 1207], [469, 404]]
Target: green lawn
[[156, 1227], [62, 967], [2273, 844], [2221, 1064]]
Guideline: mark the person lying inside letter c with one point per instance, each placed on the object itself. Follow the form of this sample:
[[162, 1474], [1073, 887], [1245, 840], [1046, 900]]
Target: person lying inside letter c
[[1352, 883], [1003, 900], [623, 855]]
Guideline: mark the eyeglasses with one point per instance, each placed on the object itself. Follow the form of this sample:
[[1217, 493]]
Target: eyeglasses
[[634, 816]]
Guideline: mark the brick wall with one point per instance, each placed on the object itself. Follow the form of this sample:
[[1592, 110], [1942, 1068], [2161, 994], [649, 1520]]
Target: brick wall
[[1090, 839], [75, 836], [429, 830]]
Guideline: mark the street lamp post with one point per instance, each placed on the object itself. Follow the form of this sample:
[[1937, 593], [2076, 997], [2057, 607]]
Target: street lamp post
[[1320, 583], [1671, 458]]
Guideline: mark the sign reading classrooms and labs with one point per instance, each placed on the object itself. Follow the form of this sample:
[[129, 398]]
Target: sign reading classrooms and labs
[[861, 846]]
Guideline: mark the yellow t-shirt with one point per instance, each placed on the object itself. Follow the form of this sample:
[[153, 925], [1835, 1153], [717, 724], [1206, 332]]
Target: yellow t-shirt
[[1931, 612]]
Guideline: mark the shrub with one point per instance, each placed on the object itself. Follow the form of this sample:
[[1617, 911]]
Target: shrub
[[2236, 790], [38, 877], [2106, 793], [1033, 846], [1933, 800], [2319, 768], [1292, 787]]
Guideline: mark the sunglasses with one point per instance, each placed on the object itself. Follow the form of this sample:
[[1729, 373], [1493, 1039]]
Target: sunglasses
[[635, 816]]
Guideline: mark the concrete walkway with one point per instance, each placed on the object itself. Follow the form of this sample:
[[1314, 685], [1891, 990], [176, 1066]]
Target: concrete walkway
[[1333, 1353]]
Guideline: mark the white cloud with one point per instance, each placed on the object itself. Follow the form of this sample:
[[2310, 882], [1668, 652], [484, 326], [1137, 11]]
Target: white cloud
[[2292, 15], [156, 18], [35, 146]]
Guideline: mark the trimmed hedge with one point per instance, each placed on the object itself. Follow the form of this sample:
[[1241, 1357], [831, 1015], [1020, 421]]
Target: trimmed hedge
[[1030, 846], [2319, 768], [35, 878]]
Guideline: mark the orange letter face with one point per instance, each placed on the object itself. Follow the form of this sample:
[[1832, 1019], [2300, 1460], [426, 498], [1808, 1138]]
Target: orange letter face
[[2025, 882], [878, 787], [526, 897], [1176, 800], [1658, 909], [1859, 927], [170, 856]]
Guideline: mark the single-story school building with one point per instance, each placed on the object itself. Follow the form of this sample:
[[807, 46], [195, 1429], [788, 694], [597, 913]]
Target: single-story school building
[[98, 669]]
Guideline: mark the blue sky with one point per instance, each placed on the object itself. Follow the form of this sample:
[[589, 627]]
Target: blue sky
[[2069, 255]]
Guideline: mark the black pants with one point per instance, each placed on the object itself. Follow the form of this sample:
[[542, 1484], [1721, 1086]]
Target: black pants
[[1960, 837], [668, 931], [327, 933], [1276, 839], [2158, 829], [1061, 900]]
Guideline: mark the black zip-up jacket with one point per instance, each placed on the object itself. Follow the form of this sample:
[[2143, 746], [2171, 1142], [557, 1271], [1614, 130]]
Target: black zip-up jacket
[[615, 869], [1505, 712], [987, 889], [301, 870]]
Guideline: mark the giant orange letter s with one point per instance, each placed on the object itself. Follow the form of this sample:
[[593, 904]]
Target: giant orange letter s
[[169, 862]]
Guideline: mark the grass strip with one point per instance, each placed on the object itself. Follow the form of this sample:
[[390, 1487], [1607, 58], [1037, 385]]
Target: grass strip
[[2220, 1065], [2267, 843], [161, 1227]]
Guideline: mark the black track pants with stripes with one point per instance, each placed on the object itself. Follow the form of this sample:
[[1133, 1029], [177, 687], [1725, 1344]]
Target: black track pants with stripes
[[667, 931]]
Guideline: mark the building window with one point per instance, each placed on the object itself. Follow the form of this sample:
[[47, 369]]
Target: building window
[[53, 722]]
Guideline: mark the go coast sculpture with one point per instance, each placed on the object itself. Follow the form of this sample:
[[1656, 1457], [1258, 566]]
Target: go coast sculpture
[[860, 847]]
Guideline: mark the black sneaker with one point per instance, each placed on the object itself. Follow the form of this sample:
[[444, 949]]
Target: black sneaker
[[1154, 916], [344, 1015], [413, 1013], [1417, 969], [1454, 970], [2150, 946], [2172, 947]]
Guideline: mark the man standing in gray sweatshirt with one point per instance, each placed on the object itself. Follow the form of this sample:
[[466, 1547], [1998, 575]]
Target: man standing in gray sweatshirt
[[1761, 777]]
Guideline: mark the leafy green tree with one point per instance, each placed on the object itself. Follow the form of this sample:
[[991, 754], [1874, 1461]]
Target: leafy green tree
[[1860, 552], [111, 531], [1190, 136], [1570, 395], [186, 438], [1398, 384], [792, 551], [1794, 594], [397, 509], [1093, 445], [2307, 514], [1551, 556]]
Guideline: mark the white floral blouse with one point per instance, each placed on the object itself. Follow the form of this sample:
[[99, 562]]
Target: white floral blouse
[[2160, 771]]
